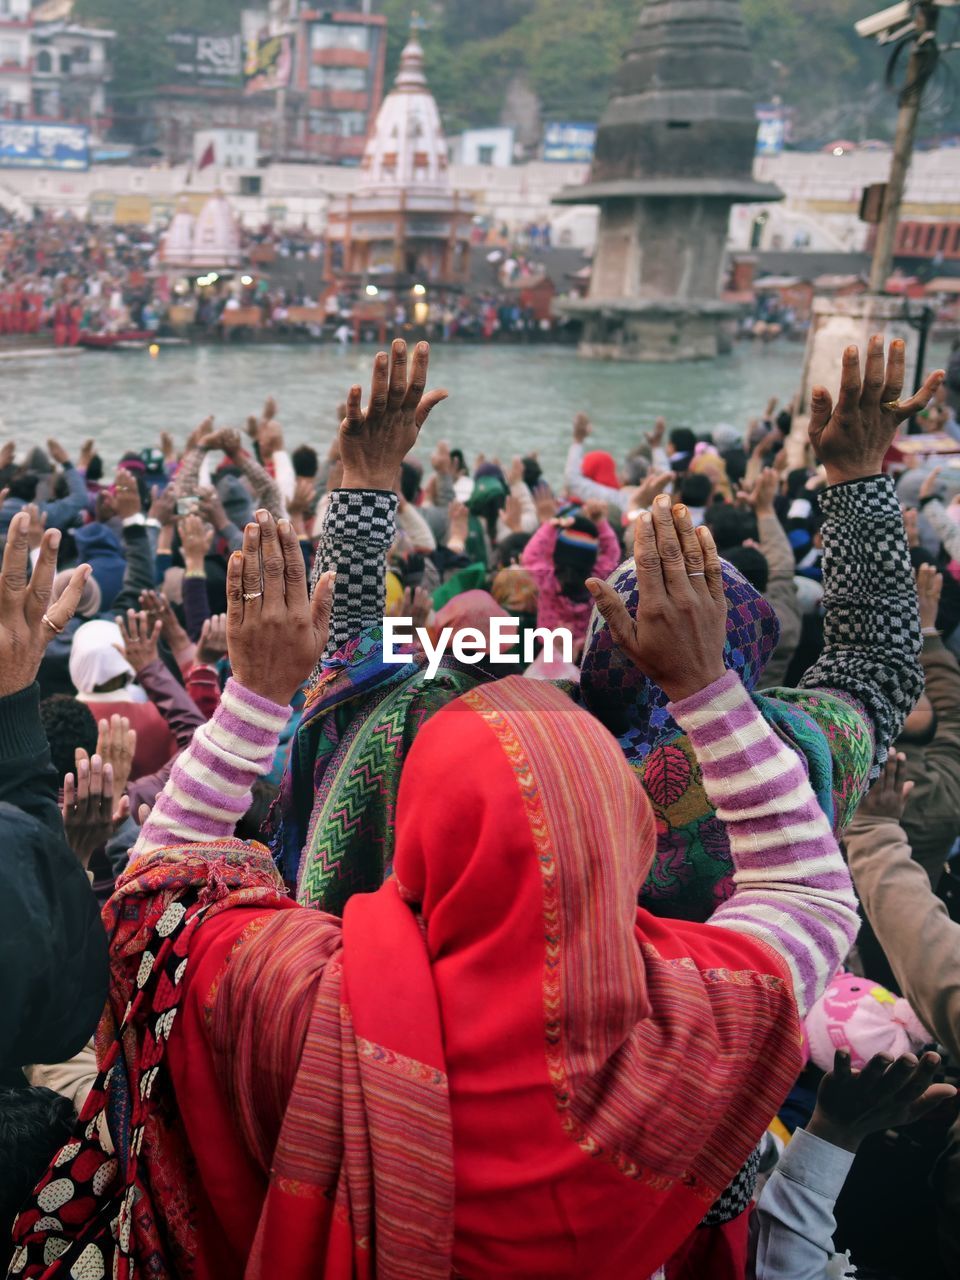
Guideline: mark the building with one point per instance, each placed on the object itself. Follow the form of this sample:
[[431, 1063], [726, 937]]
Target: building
[[340, 60], [71, 69], [406, 227], [227, 148], [674, 152], [16, 24], [492, 148]]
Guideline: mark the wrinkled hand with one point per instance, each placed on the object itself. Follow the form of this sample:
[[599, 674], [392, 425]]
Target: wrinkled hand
[[127, 495], [163, 506], [88, 820], [678, 636], [884, 1095], [929, 587], [116, 746], [888, 796], [24, 635], [277, 636], [851, 439], [228, 440], [58, 453], [196, 538], [545, 502], [931, 485], [158, 609], [373, 444], [141, 636], [760, 495], [212, 645], [211, 509], [656, 482]]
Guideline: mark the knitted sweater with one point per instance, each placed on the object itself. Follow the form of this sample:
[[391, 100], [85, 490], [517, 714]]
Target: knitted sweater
[[793, 891]]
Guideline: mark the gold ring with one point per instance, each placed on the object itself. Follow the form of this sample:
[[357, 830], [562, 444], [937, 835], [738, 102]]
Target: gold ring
[[252, 595], [57, 631], [892, 406]]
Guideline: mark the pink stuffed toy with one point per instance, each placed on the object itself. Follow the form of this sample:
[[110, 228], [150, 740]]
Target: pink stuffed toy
[[865, 1019]]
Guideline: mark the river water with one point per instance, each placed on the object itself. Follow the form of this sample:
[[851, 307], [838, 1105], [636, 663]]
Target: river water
[[503, 400]]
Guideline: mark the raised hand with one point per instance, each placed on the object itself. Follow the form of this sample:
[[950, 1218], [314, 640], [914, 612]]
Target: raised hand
[[87, 453], [58, 453], [929, 587], [212, 645], [163, 505], [930, 486], [888, 796], [595, 510], [116, 746], [885, 1094], [159, 609], [28, 621], [513, 514], [38, 523], [88, 819], [196, 538], [655, 484], [545, 502], [141, 636], [167, 446], [760, 495], [852, 438], [582, 428], [678, 635], [275, 634], [458, 524], [198, 435], [7, 454], [127, 495], [373, 444], [211, 508]]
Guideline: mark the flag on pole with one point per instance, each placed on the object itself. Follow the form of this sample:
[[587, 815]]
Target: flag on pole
[[208, 158]]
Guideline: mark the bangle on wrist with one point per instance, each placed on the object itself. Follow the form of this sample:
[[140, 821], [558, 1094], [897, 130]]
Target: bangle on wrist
[[930, 631]]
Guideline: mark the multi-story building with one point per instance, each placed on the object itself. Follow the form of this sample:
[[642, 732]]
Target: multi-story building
[[340, 59], [71, 72], [15, 58]]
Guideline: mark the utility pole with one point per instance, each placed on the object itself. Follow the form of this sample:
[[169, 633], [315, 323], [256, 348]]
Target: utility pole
[[923, 57]]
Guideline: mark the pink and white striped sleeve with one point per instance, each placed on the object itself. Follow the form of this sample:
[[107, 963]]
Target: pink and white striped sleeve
[[793, 890], [208, 790]]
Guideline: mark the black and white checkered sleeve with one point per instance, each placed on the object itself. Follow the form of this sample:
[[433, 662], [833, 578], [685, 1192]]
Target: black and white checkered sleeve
[[359, 528], [872, 639]]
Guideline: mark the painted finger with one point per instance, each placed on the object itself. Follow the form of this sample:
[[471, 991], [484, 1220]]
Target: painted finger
[[378, 386], [895, 372], [669, 549], [874, 373], [354, 419], [851, 387], [689, 542], [646, 557]]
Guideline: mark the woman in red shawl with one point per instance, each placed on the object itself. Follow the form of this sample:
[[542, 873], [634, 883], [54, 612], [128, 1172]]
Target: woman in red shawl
[[495, 1065]]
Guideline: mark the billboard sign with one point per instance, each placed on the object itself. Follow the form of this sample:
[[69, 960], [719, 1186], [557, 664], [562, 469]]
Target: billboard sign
[[771, 129], [24, 145], [268, 64], [569, 142], [210, 60]]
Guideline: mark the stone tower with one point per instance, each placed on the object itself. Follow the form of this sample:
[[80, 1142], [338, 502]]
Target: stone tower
[[674, 151]]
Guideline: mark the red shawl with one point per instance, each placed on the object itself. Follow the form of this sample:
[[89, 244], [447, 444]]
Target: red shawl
[[495, 1065]]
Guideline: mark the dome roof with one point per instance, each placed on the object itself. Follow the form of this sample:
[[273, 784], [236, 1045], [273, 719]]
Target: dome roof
[[216, 236], [407, 149]]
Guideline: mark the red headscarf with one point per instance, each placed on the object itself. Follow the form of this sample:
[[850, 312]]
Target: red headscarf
[[496, 1065], [601, 468]]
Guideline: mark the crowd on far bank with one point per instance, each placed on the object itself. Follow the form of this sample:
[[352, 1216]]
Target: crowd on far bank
[[641, 960], [81, 281]]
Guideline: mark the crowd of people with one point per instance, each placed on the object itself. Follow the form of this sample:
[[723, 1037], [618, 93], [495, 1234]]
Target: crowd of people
[[637, 961]]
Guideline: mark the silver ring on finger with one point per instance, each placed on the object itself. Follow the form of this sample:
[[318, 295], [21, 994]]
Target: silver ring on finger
[[698, 574]]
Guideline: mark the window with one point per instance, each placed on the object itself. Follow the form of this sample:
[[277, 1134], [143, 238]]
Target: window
[[44, 61], [10, 53], [66, 64], [339, 124], [81, 53], [485, 155], [346, 79], [330, 35]]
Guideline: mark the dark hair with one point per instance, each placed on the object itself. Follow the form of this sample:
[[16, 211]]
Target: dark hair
[[682, 440], [24, 485], [251, 824], [695, 490], [95, 469], [736, 460], [730, 526], [458, 460], [532, 472], [509, 550], [68, 724], [305, 462], [752, 564], [34, 1125], [797, 482], [784, 421], [411, 477]]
